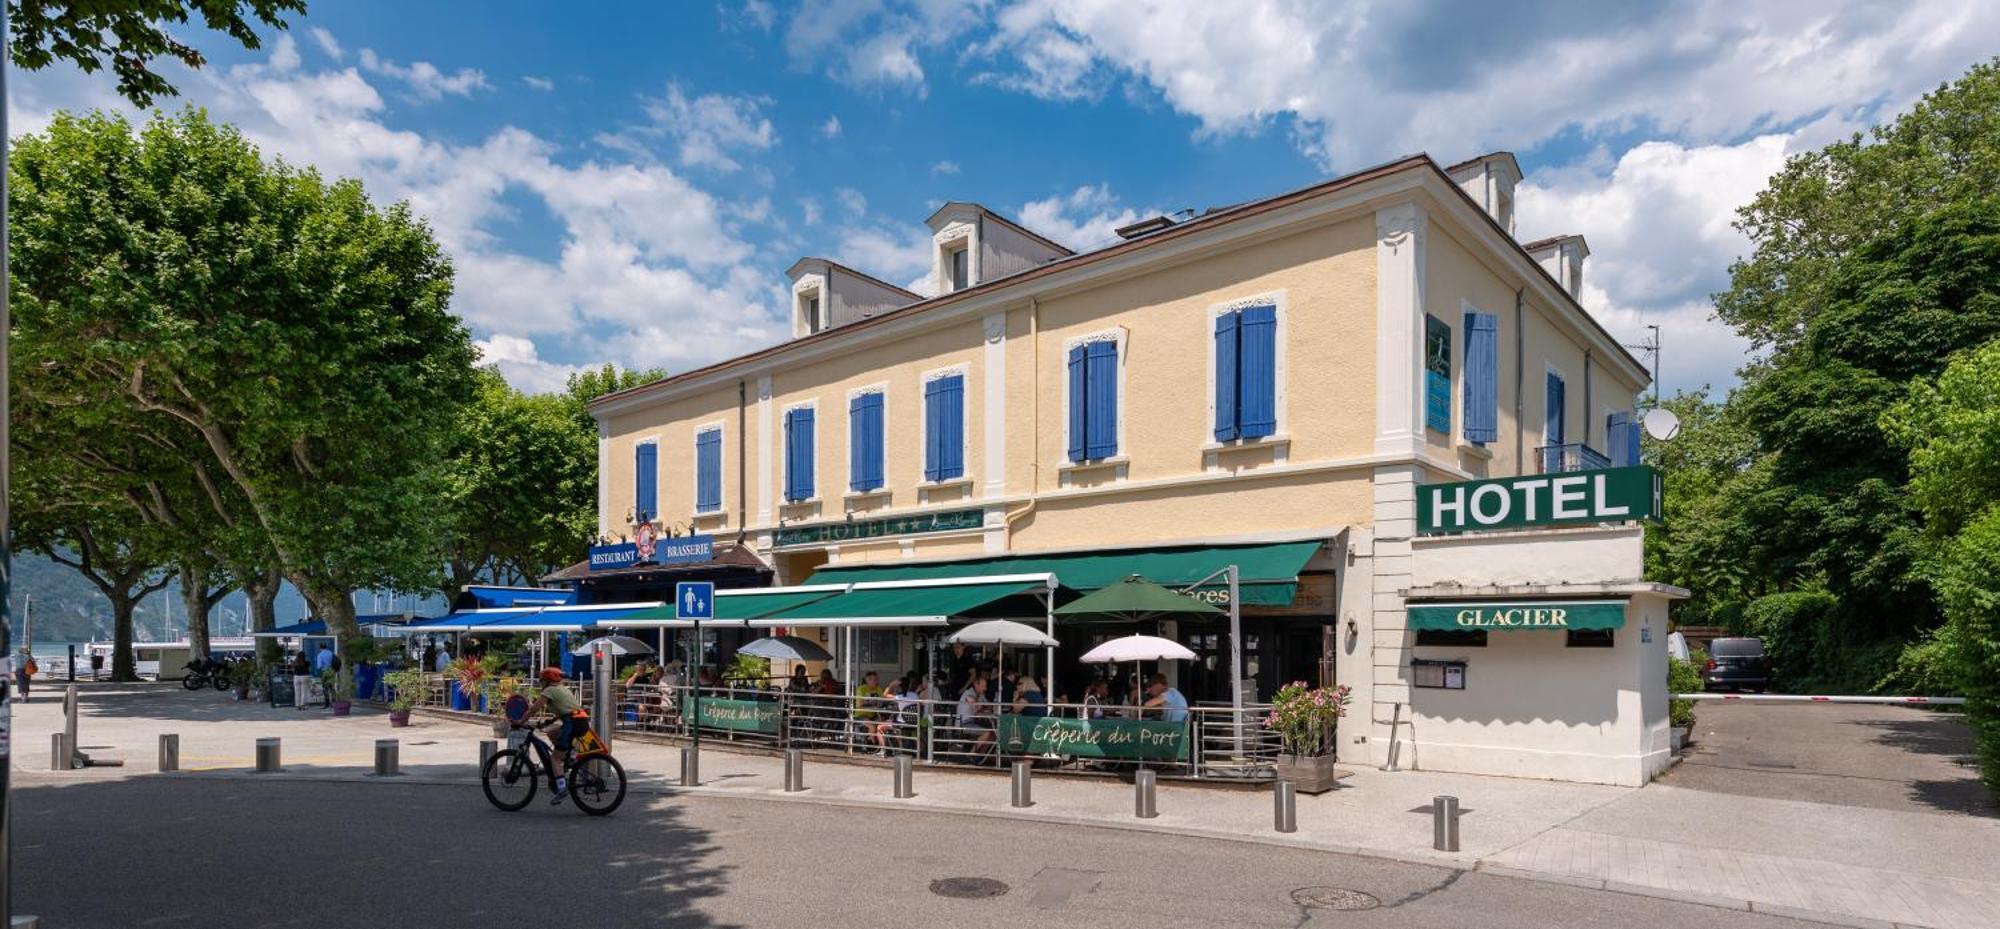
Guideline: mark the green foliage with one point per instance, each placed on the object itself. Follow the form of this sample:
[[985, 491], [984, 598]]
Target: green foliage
[[365, 649], [1304, 717], [1815, 211], [1702, 543], [242, 674], [520, 485], [409, 688], [130, 34], [1814, 646], [1929, 666], [279, 331], [747, 668], [1684, 677], [1968, 580]]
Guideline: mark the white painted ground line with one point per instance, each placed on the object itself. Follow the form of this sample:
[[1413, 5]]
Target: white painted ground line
[[1824, 698]]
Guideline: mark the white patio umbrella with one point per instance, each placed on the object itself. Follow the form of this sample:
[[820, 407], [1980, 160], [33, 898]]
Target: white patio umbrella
[[615, 644], [1001, 633], [1135, 649], [786, 648]]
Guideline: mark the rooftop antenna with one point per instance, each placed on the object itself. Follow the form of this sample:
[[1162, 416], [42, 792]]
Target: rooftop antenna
[[1651, 347]]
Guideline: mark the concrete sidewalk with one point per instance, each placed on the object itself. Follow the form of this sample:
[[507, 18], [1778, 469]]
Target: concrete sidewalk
[[1837, 864]]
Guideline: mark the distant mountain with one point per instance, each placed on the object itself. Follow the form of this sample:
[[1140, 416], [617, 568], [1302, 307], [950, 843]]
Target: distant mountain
[[68, 608]]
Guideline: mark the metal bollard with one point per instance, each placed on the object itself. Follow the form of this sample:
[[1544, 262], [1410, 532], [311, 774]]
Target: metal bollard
[[170, 752], [388, 758], [487, 749], [690, 767], [1285, 807], [1145, 786], [1444, 823], [1024, 784], [61, 757], [795, 770], [267, 756], [905, 778]]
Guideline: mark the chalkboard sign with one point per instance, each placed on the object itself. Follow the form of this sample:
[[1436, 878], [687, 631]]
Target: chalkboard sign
[[280, 689]]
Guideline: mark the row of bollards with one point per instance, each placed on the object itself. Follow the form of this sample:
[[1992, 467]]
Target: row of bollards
[[268, 757]]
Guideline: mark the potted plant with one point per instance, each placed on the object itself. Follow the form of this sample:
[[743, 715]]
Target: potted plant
[[408, 688], [1683, 677], [336, 695], [504, 686], [241, 675], [1304, 719], [365, 654], [471, 675]]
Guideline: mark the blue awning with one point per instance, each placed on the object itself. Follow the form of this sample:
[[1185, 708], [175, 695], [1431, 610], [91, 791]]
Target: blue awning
[[527, 619], [481, 597], [308, 628]]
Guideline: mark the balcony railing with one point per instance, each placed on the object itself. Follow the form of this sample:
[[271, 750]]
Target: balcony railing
[[1576, 456]]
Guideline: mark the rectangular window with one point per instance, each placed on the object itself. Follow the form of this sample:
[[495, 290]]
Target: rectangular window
[[1461, 638], [799, 450], [1437, 375], [1482, 378], [944, 428], [1246, 373], [708, 471], [1552, 427], [878, 647], [1093, 400], [812, 313], [961, 268], [864, 442], [1589, 638], [646, 482]]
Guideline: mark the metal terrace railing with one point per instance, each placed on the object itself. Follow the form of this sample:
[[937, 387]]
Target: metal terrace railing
[[1575, 456]]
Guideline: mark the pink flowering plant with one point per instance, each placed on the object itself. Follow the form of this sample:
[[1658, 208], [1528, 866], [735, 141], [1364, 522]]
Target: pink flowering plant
[[1304, 717]]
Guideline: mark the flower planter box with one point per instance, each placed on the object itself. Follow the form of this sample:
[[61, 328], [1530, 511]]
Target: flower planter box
[[1310, 774], [342, 707]]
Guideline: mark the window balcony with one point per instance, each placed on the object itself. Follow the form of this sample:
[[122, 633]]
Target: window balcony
[[1576, 456]]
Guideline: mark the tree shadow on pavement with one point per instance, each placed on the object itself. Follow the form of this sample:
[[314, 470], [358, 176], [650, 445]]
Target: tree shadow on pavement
[[242, 852], [1948, 736]]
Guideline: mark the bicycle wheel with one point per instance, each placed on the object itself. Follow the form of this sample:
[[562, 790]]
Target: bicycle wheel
[[508, 779], [597, 784]]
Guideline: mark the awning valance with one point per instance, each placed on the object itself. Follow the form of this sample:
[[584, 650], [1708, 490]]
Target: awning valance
[[1267, 574], [486, 596], [903, 603], [311, 627], [1532, 614]]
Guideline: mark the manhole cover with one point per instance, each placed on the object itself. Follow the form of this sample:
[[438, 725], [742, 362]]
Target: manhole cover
[[967, 887], [1334, 898]]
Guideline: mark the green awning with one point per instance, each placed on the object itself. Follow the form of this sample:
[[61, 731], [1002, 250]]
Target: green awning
[[735, 606], [932, 604], [1532, 614], [1267, 574]]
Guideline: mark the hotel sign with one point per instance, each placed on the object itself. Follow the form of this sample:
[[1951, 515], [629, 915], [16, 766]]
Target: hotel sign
[[1610, 495], [1472, 617], [859, 529]]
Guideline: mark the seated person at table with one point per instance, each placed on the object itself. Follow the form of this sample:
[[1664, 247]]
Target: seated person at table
[[1029, 699], [1172, 706], [972, 716], [799, 683], [1094, 697], [826, 686]]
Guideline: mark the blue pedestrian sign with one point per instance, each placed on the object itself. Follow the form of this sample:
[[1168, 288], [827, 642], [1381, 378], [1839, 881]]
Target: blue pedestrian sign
[[694, 600]]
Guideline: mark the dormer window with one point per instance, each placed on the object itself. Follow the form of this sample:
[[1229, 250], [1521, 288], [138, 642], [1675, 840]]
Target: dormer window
[[810, 319], [812, 313], [959, 264]]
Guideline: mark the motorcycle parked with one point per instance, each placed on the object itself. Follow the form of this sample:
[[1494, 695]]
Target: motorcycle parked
[[206, 672]]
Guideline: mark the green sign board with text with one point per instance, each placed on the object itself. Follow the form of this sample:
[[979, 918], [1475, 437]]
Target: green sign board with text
[[1114, 739], [1472, 617], [1609, 495], [737, 715], [854, 530]]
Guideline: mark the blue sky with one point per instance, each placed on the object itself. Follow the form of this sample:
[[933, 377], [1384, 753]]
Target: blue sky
[[628, 182]]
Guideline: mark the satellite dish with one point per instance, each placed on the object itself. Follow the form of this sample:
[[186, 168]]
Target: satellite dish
[[1662, 424]]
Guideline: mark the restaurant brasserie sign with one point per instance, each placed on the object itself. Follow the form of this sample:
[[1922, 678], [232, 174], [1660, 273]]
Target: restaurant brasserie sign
[[1116, 739], [1609, 495]]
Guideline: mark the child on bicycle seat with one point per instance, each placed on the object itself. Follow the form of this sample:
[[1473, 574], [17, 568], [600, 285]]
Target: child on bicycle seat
[[561, 702]]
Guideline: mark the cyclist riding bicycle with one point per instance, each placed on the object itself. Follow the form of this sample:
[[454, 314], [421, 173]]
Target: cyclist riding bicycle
[[561, 703]]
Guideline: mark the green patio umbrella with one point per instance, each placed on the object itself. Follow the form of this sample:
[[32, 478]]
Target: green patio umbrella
[[1132, 599]]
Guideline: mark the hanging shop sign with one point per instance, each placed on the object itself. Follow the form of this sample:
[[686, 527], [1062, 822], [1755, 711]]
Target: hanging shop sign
[[615, 555], [1541, 614], [684, 549], [737, 715], [1609, 495], [848, 531], [1114, 739]]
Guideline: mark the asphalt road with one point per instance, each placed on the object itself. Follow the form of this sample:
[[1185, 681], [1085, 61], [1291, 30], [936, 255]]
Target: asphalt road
[[1883, 757], [225, 853]]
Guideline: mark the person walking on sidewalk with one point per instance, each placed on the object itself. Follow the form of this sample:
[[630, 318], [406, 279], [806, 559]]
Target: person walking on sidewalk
[[24, 671]]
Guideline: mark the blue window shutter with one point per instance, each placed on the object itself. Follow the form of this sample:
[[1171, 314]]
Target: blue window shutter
[[799, 455], [791, 457], [933, 429], [1258, 374], [951, 427], [1634, 450], [1482, 377], [864, 452], [1225, 377], [1101, 388], [708, 471], [1554, 423], [1614, 439], [1077, 403], [645, 481], [806, 450], [876, 452]]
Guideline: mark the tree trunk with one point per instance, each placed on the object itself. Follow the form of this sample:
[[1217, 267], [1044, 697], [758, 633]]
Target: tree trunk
[[337, 608], [123, 667], [195, 603], [261, 586]]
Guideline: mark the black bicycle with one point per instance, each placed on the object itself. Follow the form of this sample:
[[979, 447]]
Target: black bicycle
[[511, 777]]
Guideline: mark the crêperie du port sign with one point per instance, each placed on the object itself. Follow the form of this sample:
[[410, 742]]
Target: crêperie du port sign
[[1608, 495]]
